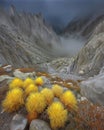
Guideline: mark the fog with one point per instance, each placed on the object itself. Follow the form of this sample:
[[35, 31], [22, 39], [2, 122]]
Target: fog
[[70, 46]]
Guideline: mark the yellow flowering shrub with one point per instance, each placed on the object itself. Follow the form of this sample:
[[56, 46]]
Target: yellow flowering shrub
[[16, 82], [57, 115], [69, 100], [39, 81], [35, 103], [14, 100], [31, 88], [57, 90], [48, 94]]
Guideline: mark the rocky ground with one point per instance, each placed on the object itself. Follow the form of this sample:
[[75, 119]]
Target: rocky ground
[[18, 120]]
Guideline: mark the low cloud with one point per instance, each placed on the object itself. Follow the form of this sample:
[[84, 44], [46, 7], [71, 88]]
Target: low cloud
[[57, 12], [69, 46]]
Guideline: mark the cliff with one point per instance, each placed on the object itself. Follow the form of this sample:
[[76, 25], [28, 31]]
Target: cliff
[[25, 39]]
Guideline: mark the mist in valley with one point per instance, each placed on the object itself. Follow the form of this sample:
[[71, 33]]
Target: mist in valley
[[69, 46]]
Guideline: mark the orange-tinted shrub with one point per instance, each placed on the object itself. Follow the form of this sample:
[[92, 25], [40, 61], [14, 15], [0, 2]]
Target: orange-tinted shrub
[[90, 117]]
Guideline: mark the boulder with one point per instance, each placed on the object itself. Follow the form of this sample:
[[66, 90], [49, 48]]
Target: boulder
[[39, 125], [22, 75], [5, 77], [18, 122], [93, 89]]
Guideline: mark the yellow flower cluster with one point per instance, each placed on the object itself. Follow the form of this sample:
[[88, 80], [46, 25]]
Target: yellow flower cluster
[[37, 101], [17, 90], [39, 81], [14, 100], [31, 88], [48, 94], [27, 82], [57, 90], [57, 115], [69, 100], [16, 82]]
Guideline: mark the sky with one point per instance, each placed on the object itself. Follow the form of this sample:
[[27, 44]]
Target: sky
[[57, 12]]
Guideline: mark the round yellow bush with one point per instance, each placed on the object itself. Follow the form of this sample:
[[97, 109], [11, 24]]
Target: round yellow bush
[[31, 88], [27, 82], [14, 100], [16, 82], [35, 103], [57, 115], [48, 94], [57, 90], [69, 100], [39, 81]]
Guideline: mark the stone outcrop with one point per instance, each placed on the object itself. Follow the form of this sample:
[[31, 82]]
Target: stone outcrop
[[39, 125], [24, 38], [93, 89], [83, 26], [90, 59]]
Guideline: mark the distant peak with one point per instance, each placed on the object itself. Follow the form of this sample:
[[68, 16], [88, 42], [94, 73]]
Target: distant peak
[[12, 10]]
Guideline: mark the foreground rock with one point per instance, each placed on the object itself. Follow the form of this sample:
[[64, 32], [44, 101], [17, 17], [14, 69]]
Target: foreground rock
[[93, 89], [5, 77], [39, 125], [18, 123], [21, 75]]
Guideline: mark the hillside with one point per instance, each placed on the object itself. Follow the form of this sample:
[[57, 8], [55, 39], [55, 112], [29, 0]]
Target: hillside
[[24, 38]]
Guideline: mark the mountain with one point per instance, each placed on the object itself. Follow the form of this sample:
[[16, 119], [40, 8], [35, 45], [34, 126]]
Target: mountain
[[25, 39], [83, 26], [90, 60]]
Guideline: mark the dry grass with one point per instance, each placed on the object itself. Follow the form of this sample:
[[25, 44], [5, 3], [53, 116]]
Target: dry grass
[[26, 70], [90, 117], [2, 71]]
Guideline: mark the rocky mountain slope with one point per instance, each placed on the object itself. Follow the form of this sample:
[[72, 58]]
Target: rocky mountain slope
[[90, 59], [83, 26], [24, 38], [89, 63]]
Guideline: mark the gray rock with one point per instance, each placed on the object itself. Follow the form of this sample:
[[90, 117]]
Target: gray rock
[[8, 68], [60, 65], [39, 125], [5, 77], [18, 123], [102, 70], [93, 89], [47, 82], [22, 75]]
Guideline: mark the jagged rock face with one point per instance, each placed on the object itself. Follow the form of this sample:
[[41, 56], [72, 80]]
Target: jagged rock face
[[83, 26], [90, 60], [24, 38], [93, 89]]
